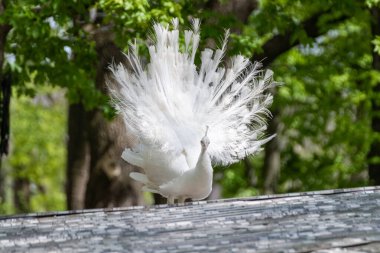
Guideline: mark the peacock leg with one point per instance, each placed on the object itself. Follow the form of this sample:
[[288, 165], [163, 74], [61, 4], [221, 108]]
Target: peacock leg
[[181, 200], [170, 200]]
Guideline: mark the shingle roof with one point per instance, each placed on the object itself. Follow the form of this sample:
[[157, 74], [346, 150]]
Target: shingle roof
[[324, 221]]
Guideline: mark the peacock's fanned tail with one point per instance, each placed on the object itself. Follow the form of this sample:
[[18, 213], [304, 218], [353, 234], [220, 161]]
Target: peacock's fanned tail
[[169, 102]]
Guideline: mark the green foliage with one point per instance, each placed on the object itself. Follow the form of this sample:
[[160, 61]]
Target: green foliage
[[376, 43], [323, 102], [372, 3], [61, 51], [38, 148], [49, 49], [133, 19], [240, 179]]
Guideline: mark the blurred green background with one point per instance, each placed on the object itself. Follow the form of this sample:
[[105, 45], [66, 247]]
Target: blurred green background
[[64, 150]]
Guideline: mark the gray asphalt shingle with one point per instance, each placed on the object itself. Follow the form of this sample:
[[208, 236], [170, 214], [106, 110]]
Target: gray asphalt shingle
[[325, 221]]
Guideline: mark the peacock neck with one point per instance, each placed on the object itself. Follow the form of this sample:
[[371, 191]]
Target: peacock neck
[[204, 162]]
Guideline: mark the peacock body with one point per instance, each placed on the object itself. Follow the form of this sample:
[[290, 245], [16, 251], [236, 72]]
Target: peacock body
[[184, 117]]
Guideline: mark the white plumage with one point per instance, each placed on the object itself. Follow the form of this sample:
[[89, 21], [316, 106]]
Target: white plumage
[[169, 103]]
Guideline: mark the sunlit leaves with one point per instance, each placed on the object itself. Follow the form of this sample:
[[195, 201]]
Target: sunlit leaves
[[372, 3], [323, 103], [376, 43], [38, 147]]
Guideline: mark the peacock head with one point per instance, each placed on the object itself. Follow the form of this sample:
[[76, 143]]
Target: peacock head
[[205, 140]]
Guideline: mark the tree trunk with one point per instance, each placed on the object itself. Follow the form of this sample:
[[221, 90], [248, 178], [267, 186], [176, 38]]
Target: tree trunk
[[374, 152], [109, 184], [241, 9], [272, 159], [5, 94], [21, 196], [5, 102], [78, 157]]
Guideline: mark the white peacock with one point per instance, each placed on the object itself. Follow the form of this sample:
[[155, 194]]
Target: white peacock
[[186, 117]]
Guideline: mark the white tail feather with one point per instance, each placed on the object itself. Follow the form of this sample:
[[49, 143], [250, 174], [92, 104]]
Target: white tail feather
[[168, 103]]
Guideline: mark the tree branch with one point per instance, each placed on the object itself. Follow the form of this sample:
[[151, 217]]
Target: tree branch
[[281, 43], [373, 154], [241, 9]]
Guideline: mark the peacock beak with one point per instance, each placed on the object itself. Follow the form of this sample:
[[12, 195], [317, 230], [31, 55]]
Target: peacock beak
[[206, 130]]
